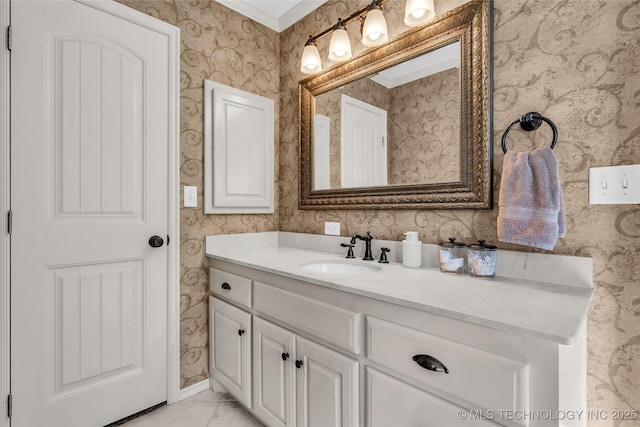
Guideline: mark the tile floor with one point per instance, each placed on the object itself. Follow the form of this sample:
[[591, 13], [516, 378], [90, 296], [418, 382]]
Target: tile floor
[[205, 409]]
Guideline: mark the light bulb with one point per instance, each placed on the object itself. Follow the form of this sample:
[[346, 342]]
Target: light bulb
[[374, 29], [418, 12]]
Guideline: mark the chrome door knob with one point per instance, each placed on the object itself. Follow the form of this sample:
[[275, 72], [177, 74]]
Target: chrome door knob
[[156, 241]]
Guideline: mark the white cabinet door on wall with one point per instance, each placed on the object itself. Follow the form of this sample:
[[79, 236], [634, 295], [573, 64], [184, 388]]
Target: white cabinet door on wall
[[273, 373], [327, 387], [230, 348], [238, 151]]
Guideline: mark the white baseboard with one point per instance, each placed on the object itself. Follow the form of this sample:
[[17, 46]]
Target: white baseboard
[[192, 390]]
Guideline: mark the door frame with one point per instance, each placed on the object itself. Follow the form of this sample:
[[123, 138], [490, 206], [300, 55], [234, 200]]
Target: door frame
[[173, 219], [5, 203]]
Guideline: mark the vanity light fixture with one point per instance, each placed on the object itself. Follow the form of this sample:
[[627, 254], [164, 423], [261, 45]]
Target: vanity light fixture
[[373, 28], [418, 12], [311, 62], [340, 46]]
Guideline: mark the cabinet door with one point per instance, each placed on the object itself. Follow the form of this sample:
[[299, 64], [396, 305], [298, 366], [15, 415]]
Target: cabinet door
[[273, 373], [230, 348], [391, 402], [327, 391]]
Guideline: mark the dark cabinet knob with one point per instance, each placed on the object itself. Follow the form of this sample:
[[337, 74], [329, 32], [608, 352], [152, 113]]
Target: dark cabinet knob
[[285, 356], [240, 332], [430, 363], [299, 364], [156, 241], [226, 286]]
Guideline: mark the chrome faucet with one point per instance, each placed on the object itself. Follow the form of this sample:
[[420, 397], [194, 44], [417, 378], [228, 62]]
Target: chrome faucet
[[368, 256]]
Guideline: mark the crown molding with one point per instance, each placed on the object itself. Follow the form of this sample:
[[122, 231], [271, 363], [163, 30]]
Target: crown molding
[[250, 9]]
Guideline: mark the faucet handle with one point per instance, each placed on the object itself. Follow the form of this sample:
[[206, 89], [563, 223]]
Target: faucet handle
[[383, 255], [350, 251]]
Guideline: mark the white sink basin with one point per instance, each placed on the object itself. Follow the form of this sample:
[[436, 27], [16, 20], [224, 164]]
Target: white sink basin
[[340, 267]]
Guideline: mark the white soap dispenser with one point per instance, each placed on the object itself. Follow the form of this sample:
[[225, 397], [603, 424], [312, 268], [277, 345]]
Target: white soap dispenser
[[411, 250]]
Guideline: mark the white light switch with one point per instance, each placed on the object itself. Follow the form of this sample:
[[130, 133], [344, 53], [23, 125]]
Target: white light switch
[[332, 228], [613, 185], [190, 197]]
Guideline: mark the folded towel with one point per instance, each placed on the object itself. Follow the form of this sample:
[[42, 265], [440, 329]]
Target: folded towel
[[531, 207]]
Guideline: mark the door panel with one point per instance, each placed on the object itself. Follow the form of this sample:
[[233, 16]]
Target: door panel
[[273, 373], [363, 144], [327, 387], [230, 348], [90, 141], [97, 324], [99, 143], [321, 152]]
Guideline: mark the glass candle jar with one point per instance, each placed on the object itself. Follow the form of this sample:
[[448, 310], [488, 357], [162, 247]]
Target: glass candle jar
[[482, 260], [452, 255]]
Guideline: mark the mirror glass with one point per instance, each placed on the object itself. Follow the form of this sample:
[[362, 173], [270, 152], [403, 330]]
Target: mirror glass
[[405, 125], [398, 126]]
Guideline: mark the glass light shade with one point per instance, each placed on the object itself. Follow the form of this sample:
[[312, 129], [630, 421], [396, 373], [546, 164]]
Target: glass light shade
[[340, 46], [418, 12], [374, 30], [311, 63]]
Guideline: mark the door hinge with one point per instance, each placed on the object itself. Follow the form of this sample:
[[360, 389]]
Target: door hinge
[[9, 38], [9, 406], [9, 222]]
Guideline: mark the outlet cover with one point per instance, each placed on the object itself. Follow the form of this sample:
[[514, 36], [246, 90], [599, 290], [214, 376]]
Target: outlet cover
[[332, 228]]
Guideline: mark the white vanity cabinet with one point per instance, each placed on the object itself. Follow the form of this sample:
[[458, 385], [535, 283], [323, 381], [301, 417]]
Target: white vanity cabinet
[[230, 348], [327, 391], [299, 382], [325, 357], [274, 373], [391, 402], [292, 379]]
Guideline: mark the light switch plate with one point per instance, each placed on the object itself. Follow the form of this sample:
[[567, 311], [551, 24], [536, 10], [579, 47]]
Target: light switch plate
[[332, 228], [612, 185], [190, 196]]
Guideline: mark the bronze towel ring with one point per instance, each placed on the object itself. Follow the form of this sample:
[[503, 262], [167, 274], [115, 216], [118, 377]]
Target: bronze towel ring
[[528, 122]]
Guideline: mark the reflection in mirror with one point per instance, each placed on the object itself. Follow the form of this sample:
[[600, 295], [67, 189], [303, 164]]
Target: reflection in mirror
[[399, 126], [405, 125]]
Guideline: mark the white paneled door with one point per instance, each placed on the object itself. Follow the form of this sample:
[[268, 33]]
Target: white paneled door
[[90, 183], [363, 144]]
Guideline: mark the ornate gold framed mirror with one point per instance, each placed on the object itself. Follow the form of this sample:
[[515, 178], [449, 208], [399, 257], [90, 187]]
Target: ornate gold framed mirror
[[432, 87]]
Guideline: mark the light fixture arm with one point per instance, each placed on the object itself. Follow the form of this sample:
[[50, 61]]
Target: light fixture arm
[[359, 15]]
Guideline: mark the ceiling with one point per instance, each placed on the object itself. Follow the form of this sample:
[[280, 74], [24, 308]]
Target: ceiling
[[275, 14]]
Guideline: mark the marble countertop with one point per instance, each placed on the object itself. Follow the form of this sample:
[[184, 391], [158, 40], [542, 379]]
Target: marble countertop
[[547, 311]]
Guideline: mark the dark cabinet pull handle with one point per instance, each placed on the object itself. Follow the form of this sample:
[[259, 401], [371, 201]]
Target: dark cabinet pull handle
[[299, 364], [430, 363], [226, 286], [240, 332], [285, 356]]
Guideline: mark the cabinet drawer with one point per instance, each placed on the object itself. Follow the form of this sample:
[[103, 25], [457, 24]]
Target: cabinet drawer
[[230, 286], [391, 402], [330, 323], [479, 377]]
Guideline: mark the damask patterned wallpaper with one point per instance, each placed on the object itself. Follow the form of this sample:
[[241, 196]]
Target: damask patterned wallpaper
[[575, 61], [220, 45], [424, 136]]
